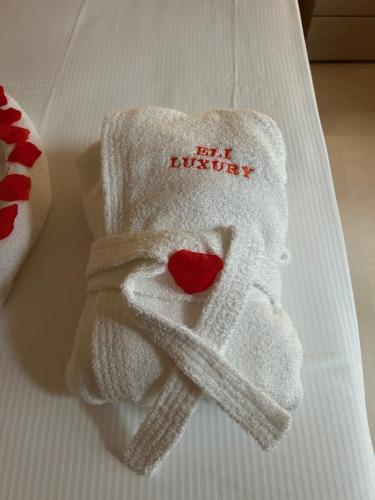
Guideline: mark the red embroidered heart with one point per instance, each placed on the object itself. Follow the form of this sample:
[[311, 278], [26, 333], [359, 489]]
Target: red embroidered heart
[[193, 271]]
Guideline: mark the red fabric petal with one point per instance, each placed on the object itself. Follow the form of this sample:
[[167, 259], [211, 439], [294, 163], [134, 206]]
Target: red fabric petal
[[3, 99], [25, 153], [193, 271], [10, 115], [15, 187], [7, 217], [11, 134]]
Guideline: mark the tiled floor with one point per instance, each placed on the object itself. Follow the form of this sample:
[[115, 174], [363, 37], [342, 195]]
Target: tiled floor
[[346, 99]]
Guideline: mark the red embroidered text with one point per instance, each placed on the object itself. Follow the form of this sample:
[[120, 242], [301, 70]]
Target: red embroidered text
[[213, 160]]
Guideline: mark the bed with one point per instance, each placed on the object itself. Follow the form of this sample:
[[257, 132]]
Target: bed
[[70, 63]]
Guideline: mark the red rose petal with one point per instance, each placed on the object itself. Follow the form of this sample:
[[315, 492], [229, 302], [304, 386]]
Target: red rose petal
[[193, 271], [11, 134], [10, 115], [3, 99], [25, 153], [15, 187], [7, 218]]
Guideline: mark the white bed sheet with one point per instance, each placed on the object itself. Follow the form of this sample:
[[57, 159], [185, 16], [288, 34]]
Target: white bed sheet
[[68, 64]]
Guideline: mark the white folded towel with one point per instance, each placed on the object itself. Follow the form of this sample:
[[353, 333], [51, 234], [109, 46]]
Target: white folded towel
[[189, 216], [25, 194]]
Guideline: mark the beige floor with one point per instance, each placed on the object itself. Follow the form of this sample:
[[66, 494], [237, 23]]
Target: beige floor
[[346, 99]]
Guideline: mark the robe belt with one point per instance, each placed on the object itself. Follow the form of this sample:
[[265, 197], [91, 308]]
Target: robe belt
[[198, 354]]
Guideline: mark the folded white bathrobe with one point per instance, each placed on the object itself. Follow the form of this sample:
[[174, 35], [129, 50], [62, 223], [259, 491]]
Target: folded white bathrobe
[[212, 183]]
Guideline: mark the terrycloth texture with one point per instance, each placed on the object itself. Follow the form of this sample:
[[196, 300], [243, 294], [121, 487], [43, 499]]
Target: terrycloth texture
[[32, 213], [211, 183]]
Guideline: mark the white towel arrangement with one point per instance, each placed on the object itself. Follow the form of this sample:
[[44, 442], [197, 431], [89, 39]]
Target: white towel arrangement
[[189, 218], [25, 194]]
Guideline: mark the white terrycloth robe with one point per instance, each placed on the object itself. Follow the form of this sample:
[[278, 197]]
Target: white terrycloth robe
[[211, 183]]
